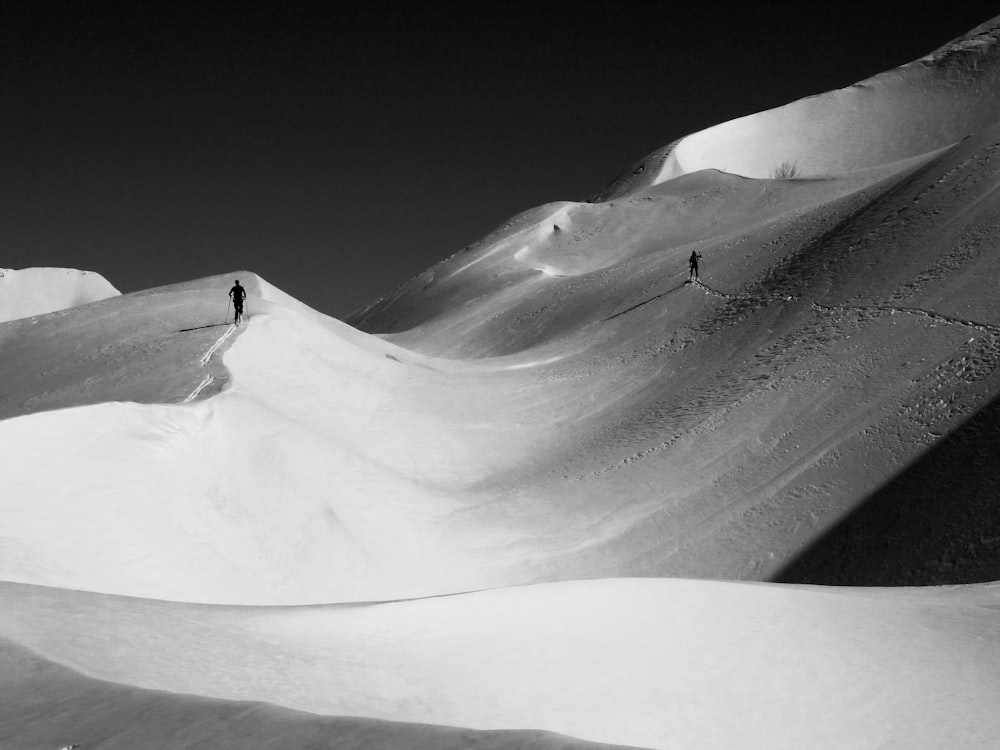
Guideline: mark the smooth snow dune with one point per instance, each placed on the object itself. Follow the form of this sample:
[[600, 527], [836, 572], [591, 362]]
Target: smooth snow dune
[[44, 706], [36, 291], [222, 501], [653, 663], [915, 109], [335, 466], [329, 469]]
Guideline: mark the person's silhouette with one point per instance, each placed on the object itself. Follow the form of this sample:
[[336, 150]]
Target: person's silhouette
[[238, 294], [693, 265]]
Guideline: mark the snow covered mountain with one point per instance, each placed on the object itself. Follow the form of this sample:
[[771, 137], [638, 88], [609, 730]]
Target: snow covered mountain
[[491, 500], [36, 291]]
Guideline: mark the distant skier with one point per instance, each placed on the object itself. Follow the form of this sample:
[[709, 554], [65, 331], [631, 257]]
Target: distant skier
[[693, 265], [238, 294]]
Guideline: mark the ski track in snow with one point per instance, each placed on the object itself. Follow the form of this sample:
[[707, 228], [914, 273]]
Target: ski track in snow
[[707, 290], [763, 297], [207, 381], [205, 360], [918, 311], [215, 347], [829, 309]]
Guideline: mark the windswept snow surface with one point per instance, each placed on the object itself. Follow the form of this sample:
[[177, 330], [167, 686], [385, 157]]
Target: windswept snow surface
[[476, 505], [36, 291]]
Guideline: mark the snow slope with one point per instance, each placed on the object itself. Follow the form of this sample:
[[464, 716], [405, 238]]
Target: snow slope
[[36, 291], [494, 499], [146, 347], [45, 705], [651, 663]]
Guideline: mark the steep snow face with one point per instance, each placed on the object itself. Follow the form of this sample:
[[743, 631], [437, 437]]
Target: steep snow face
[[36, 291]]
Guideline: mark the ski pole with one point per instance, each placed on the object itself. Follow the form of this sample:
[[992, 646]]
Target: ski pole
[[226, 319]]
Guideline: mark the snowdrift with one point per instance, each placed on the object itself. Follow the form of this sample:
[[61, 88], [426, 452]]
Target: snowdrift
[[36, 291]]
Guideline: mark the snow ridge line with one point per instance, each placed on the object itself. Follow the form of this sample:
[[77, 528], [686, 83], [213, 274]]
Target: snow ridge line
[[985, 327], [215, 347]]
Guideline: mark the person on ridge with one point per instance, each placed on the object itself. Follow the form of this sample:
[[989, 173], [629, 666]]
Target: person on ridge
[[238, 294], [693, 265]]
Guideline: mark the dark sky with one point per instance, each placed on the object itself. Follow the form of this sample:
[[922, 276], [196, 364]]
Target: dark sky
[[337, 153]]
